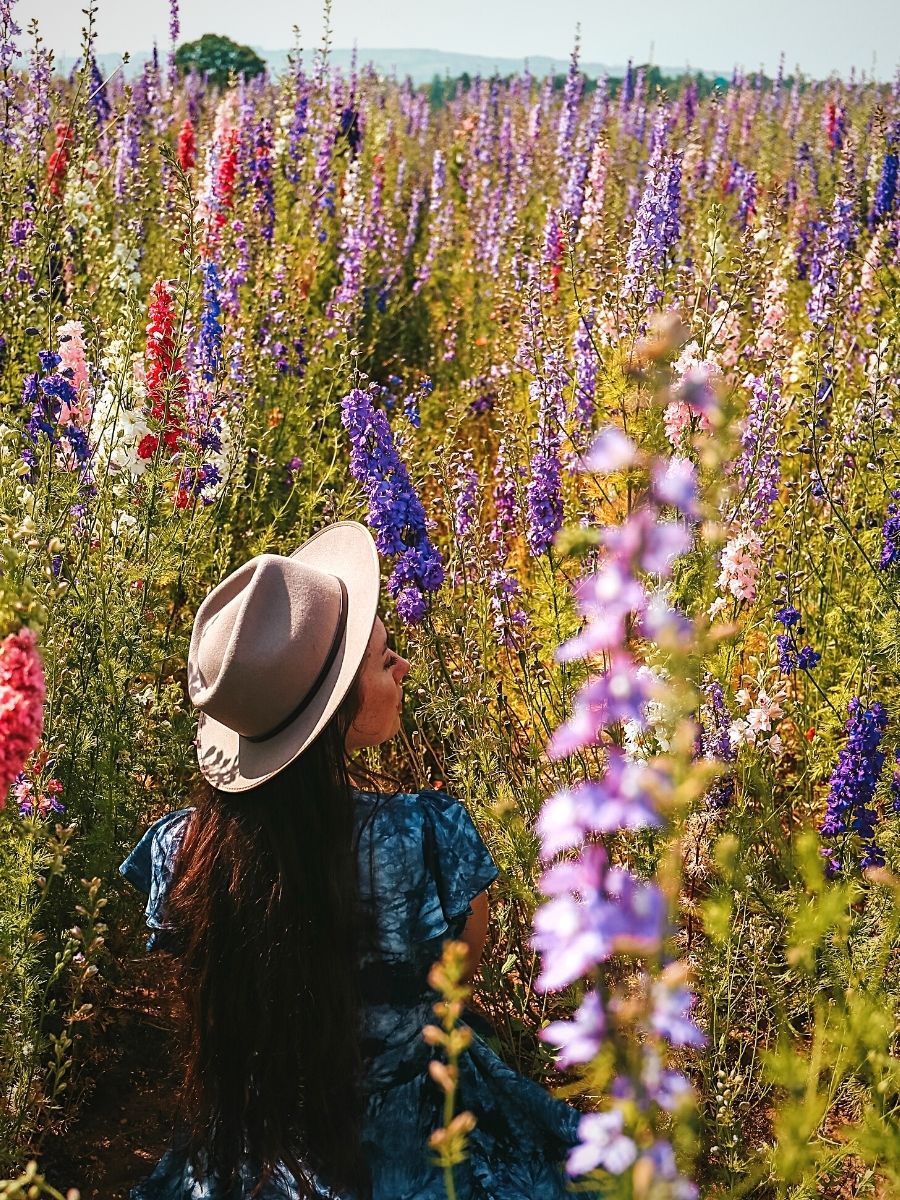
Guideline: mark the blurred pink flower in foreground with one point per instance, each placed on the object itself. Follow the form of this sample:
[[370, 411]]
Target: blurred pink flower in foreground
[[21, 704]]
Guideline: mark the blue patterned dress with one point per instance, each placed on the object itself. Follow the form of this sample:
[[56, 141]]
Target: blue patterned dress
[[421, 863]]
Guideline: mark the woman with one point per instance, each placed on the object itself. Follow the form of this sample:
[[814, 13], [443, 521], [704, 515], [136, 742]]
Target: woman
[[304, 916]]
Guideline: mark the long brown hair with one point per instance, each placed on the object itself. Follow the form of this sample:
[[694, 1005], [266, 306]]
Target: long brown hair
[[267, 923]]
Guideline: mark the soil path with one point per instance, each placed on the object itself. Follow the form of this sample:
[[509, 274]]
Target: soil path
[[124, 1121]]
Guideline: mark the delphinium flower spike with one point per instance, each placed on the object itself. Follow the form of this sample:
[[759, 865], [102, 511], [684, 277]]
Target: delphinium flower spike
[[395, 511]]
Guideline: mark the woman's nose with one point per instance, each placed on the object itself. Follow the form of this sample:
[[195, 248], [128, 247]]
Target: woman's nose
[[403, 665]]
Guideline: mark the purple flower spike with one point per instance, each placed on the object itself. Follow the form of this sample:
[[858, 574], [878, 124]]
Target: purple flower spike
[[670, 1017], [579, 1039], [619, 694], [675, 484], [854, 779], [611, 450], [602, 1144], [605, 598], [395, 512], [621, 800]]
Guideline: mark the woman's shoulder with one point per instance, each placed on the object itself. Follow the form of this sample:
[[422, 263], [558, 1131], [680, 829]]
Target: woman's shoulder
[[405, 808], [152, 858]]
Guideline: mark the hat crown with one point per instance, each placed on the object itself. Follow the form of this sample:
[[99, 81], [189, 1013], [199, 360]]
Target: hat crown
[[260, 641]]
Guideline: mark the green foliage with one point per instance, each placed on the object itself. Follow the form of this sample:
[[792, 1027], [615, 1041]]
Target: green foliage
[[219, 58]]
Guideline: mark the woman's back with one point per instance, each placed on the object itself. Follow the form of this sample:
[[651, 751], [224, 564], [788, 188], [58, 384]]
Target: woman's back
[[421, 862]]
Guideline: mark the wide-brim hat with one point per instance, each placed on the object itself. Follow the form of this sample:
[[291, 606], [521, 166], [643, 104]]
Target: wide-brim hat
[[274, 650]]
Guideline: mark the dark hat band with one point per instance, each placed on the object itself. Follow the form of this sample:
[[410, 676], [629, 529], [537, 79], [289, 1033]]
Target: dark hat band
[[319, 679]]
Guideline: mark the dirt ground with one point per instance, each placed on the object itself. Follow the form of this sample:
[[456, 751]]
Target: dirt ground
[[124, 1121]]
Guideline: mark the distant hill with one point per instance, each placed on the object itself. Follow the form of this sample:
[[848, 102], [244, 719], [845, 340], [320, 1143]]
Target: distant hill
[[420, 65]]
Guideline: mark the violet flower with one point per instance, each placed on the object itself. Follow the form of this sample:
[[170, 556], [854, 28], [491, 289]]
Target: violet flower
[[543, 495], [657, 221], [602, 1144], [579, 1039], [759, 465]]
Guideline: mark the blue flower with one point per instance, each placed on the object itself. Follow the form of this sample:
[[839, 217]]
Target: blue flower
[[807, 658], [890, 535], [788, 617], [395, 511], [853, 781], [210, 347]]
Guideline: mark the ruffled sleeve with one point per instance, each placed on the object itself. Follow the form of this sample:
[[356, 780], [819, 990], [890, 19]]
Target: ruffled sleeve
[[151, 865], [458, 865]]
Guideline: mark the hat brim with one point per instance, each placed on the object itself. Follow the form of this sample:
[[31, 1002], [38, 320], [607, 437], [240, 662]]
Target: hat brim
[[232, 763]]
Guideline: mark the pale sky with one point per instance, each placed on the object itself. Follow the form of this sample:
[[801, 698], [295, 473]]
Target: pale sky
[[820, 36]]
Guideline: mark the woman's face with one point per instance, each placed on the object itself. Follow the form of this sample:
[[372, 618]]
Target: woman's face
[[380, 693]]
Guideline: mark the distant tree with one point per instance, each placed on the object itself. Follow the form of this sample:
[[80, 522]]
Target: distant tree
[[218, 57]]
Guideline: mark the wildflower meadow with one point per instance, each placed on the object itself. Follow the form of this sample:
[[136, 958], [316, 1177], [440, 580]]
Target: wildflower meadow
[[611, 373]]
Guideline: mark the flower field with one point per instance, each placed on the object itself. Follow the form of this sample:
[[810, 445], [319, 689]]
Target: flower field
[[611, 374]]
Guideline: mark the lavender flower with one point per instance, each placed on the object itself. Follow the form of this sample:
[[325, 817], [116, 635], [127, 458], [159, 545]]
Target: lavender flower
[[657, 222], [543, 494], [568, 113], [602, 1144], [579, 1039], [759, 465], [264, 204], [465, 492], [890, 535], [594, 911], [828, 262], [352, 252], [97, 95], [671, 1018], [9, 31], [586, 364], [395, 511], [714, 742]]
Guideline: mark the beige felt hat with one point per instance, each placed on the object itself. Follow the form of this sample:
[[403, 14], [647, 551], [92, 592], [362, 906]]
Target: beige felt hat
[[274, 650]]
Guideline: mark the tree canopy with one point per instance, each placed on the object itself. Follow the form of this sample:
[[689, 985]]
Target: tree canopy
[[218, 57]]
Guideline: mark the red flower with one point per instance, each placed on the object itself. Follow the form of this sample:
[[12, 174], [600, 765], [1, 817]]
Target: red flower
[[21, 704], [187, 146], [225, 176], [58, 162], [164, 372]]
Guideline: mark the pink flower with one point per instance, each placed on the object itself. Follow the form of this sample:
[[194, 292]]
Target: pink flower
[[740, 563], [21, 704], [71, 352]]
